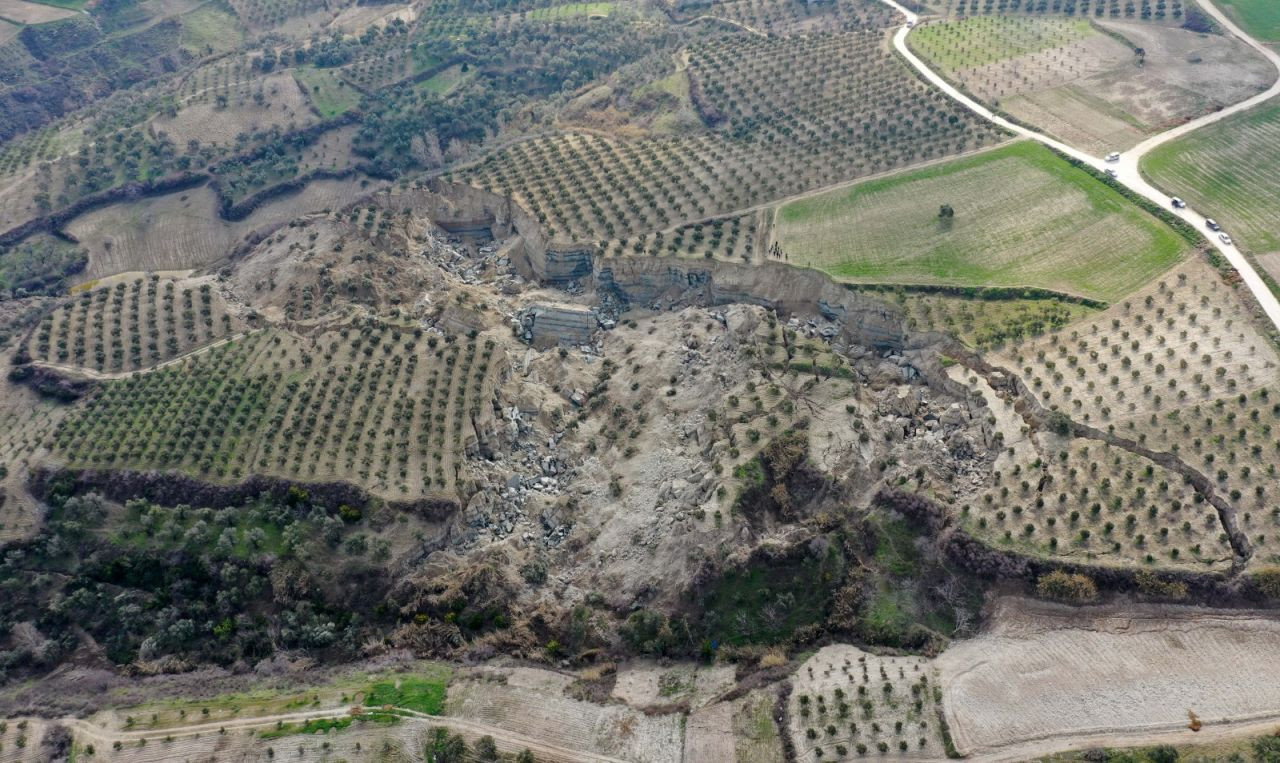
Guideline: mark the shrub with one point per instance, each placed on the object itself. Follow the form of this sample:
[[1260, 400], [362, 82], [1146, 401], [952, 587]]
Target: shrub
[[1152, 584], [1066, 587], [1267, 580]]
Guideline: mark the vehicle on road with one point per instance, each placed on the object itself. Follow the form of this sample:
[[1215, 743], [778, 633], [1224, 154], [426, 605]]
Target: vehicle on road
[[1224, 238], [1212, 225], [1178, 203], [1113, 157], [910, 24], [1112, 173]]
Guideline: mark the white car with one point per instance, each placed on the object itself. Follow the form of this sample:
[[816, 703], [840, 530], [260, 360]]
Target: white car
[[1112, 173], [1113, 157], [1178, 203], [1224, 238], [910, 24]]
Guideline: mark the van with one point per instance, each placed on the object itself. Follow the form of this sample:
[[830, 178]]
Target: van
[[1212, 225]]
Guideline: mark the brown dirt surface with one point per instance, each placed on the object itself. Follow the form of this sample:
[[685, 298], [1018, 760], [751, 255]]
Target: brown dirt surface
[[531, 702], [1271, 264], [283, 106], [32, 13], [1044, 677], [846, 696]]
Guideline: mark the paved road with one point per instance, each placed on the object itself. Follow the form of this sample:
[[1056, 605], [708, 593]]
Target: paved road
[[1127, 169]]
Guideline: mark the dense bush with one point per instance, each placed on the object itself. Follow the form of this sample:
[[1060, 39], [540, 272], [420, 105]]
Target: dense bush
[[1067, 587]]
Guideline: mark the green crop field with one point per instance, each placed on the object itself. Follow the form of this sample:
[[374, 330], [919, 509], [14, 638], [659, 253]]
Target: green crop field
[[571, 10], [1023, 217], [1228, 171], [1260, 18], [329, 95]]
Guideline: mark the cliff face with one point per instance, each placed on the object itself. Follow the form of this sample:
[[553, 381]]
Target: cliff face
[[641, 282], [788, 290]]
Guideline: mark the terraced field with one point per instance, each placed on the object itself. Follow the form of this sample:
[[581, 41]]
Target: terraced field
[[132, 324], [272, 403], [1090, 503], [985, 323], [794, 134], [1023, 217], [1229, 172], [1183, 340]]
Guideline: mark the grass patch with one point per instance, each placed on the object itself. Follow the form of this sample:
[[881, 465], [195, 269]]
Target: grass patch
[[446, 81], [422, 693], [1023, 218], [329, 95], [987, 323], [1260, 18], [325, 725], [211, 28], [1229, 170], [571, 10]]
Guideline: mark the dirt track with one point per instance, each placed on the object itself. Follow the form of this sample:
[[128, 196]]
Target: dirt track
[[1046, 678]]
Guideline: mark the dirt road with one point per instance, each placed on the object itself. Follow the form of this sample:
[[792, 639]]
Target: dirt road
[[1127, 172], [104, 738]]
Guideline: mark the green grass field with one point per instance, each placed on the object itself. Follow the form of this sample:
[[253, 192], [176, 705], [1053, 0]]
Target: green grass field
[[1260, 18], [211, 28], [73, 5], [1023, 218], [981, 40], [444, 83], [424, 693], [328, 94], [571, 10], [1228, 171]]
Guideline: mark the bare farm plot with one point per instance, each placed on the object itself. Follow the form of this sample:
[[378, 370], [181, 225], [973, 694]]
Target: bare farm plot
[[1088, 88], [1022, 218], [8, 31], [848, 703], [1229, 170], [532, 703], [275, 101], [1043, 678], [22, 12], [174, 232]]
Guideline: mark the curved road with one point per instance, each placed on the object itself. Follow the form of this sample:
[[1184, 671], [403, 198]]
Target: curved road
[[1127, 169]]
